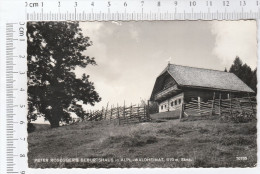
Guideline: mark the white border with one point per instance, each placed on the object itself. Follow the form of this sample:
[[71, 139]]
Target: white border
[[14, 11]]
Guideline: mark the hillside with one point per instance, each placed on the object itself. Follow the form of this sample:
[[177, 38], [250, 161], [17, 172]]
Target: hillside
[[191, 143], [41, 127]]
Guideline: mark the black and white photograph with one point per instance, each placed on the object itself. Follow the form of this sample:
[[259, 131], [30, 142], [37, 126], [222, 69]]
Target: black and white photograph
[[142, 94]]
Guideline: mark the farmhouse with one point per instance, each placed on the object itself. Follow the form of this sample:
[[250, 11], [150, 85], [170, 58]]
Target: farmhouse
[[177, 84]]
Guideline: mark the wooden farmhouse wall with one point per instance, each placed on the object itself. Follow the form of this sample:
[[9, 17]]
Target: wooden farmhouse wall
[[162, 83], [205, 95]]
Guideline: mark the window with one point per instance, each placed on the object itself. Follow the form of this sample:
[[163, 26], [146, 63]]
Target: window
[[179, 101], [165, 106], [162, 107], [172, 103], [175, 102]]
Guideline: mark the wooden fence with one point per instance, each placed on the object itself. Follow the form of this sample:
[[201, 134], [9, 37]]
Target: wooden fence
[[120, 115], [220, 106], [135, 114]]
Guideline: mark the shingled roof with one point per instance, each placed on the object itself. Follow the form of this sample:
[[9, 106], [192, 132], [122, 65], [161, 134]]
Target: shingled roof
[[206, 78]]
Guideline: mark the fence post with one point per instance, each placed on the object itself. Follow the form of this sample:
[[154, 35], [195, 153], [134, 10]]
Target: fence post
[[106, 111], [124, 113], [230, 104], [138, 113], [90, 115], [130, 115], [93, 115], [181, 113], [148, 109], [168, 105], [102, 113], [240, 105], [251, 103], [199, 106], [87, 115], [144, 111], [212, 106], [118, 114], [111, 114], [220, 104]]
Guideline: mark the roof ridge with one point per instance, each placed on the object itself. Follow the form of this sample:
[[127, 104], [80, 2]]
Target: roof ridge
[[201, 68]]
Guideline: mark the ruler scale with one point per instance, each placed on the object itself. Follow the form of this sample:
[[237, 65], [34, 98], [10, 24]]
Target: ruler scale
[[15, 14], [9, 95], [142, 10], [15, 77]]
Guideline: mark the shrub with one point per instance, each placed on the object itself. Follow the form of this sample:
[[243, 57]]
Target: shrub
[[237, 117]]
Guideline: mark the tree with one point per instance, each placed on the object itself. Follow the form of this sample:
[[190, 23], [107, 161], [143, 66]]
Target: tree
[[244, 72], [236, 67], [54, 51]]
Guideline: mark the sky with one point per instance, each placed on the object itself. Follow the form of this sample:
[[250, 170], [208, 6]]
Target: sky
[[130, 55]]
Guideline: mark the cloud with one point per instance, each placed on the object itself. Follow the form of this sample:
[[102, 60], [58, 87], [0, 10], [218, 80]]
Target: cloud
[[235, 38], [91, 29], [112, 94], [134, 33]]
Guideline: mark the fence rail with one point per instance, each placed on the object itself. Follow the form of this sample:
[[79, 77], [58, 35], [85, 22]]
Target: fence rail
[[120, 115], [220, 106]]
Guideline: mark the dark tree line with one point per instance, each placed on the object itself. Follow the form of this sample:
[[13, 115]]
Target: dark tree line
[[54, 51], [244, 72]]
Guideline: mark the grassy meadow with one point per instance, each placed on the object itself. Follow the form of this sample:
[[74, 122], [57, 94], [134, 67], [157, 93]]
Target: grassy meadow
[[193, 142]]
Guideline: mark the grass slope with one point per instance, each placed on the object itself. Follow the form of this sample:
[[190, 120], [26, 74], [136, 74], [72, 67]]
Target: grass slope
[[41, 127], [207, 143]]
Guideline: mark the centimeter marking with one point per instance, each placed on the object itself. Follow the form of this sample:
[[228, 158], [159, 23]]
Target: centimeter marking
[[94, 10]]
